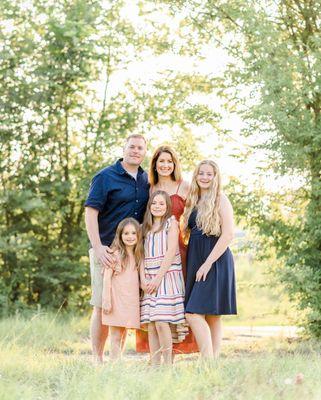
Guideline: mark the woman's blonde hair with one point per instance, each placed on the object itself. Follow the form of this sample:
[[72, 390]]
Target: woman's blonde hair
[[208, 219], [119, 245], [153, 174], [148, 217]]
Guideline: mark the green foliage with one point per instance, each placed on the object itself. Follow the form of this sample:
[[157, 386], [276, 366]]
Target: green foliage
[[273, 80], [64, 116]]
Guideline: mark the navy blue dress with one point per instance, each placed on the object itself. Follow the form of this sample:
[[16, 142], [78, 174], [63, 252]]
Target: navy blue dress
[[216, 295]]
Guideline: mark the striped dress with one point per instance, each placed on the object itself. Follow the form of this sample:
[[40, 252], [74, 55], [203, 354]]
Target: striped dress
[[167, 304]]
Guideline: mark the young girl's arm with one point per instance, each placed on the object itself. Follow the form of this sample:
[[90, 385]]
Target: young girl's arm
[[227, 234], [106, 297], [172, 247], [142, 276]]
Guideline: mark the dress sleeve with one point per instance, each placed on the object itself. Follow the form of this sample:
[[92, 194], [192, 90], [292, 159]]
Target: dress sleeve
[[98, 193]]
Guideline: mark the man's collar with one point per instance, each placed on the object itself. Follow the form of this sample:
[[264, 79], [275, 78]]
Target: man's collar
[[121, 169]]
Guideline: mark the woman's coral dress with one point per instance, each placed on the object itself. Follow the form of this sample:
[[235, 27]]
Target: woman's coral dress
[[189, 344]]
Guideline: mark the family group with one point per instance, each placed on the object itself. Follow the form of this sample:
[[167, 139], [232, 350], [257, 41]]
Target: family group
[[159, 257]]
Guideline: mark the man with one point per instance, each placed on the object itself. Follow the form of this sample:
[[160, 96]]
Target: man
[[116, 192]]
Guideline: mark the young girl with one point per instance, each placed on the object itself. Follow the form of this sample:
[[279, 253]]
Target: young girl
[[121, 286], [162, 305], [210, 282], [165, 174]]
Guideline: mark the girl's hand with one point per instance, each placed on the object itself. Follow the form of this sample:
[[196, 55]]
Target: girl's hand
[[153, 285], [143, 286], [202, 272], [107, 308]]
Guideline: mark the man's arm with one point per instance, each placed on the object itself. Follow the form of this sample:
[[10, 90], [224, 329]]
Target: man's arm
[[102, 253]]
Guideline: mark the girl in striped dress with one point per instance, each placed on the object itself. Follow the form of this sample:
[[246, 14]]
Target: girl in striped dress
[[162, 304]]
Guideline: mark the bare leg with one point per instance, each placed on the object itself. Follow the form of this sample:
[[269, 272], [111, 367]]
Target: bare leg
[[165, 341], [202, 333], [117, 340], [98, 335], [215, 324], [123, 340], [154, 346]]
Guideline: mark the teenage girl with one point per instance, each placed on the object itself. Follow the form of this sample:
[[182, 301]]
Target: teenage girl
[[210, 283]]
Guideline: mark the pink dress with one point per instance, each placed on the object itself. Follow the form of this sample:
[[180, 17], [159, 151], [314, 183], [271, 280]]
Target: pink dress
[[124, 300]]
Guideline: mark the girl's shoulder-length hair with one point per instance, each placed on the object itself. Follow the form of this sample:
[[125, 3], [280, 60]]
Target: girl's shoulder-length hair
[[148, 217], [119, 246], [153, 174]]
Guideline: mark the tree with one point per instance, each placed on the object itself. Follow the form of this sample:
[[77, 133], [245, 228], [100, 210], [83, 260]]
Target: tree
[[64, 118], [274, 82]]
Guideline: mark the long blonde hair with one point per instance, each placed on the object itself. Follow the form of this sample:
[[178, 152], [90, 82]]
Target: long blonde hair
[[153, 174], [119, 245], [148, 217], [208, 218]]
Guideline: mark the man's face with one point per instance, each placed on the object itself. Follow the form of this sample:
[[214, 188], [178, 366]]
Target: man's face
[[134, 151]]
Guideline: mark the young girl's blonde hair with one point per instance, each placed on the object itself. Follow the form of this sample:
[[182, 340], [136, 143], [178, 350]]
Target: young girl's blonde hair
[[208, 219], [148, 217], [119, 245]]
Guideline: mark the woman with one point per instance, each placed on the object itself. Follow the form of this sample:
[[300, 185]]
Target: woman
[[165, 174], [210, 283]]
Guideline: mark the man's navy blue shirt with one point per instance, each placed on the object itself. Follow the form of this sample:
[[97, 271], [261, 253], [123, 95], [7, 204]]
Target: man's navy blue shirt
[[117, 195]]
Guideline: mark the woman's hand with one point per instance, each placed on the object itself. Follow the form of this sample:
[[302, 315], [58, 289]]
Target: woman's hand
[[153, 285], [203, 271]]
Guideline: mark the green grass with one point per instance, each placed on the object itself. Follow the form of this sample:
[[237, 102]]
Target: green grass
[[261, 300], [49, 358]]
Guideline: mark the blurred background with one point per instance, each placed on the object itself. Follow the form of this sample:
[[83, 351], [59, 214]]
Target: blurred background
[[235, 81]]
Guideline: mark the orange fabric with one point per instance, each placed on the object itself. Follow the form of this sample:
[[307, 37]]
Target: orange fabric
[[189, 345], [178, 204]]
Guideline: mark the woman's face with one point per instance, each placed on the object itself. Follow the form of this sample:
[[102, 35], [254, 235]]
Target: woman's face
[[129, 235], [158, 206], [205, 176], [165, 165]]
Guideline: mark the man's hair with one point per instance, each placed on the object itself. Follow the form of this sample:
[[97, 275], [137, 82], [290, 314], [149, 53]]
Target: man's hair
[[135, 136]]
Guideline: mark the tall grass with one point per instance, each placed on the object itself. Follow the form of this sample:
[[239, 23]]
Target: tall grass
[[48, 357]]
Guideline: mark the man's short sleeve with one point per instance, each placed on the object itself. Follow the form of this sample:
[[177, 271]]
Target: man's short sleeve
[[98, 193]]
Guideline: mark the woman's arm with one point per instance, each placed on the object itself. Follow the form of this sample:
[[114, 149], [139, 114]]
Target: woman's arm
[[184, 189], [173, 233], [227, 234], [106, 297]]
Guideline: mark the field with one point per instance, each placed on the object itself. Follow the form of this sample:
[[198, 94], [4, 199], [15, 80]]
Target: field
[[261, 300], [47, 356]]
